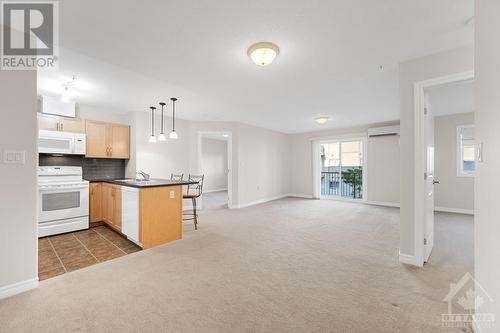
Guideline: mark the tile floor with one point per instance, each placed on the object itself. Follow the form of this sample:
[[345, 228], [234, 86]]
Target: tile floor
[[68, 252]]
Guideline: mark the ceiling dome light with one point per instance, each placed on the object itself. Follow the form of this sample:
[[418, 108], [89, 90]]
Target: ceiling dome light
[[321, 119], [263, 53]]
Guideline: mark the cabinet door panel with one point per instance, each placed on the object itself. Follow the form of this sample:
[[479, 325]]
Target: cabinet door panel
[[119, 141], [96, 202], [106, 195], [96, 139], [48, 123], [72, 125], [117, 207]]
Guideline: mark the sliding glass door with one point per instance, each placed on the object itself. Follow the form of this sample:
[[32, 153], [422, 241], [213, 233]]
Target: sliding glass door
[[342, 169]]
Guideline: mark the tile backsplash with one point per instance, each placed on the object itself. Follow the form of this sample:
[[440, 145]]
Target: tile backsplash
[[92, 167]]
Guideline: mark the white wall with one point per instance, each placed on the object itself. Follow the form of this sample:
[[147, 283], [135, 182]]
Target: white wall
[[260, 157], [436, 65], [100, 114], [383, 170], [453, 192], [18, 190], [260, 160], [487, 182], [382, 163], [159, 159], [214, 164]]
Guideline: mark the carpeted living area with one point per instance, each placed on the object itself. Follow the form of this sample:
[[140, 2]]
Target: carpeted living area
[[292, 265]]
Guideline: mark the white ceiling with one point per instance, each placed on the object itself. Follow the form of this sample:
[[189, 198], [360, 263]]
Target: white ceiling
[[451, 98], [129, 54]]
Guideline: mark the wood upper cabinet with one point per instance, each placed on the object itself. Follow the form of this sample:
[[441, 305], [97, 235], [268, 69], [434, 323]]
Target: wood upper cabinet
[[48, 123], [72, 125], [106, 140], [119, 141], [111, 205], [61, 124], [96, 139], [95, 202]]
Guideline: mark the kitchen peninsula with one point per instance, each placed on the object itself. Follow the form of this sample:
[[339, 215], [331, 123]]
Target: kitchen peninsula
[[149, 213]]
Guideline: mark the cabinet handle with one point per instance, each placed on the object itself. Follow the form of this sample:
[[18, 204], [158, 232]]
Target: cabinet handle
[[57, 126], [62, 126]]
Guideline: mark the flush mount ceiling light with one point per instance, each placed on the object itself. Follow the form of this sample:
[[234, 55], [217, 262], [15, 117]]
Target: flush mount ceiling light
[[263, 53], [321, 119]]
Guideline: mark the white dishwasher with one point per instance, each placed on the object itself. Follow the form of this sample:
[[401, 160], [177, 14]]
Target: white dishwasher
[[130, 213]]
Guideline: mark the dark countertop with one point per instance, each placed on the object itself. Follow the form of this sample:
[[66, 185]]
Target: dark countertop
[[153, 182]]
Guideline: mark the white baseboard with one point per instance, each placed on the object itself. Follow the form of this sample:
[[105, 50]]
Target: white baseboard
[[454, 210], [303, 196], [216, 190], [383, 203], [261, 201], [18, 287], [407, 259]]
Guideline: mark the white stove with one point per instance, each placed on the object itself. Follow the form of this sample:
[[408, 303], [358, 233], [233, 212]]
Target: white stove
[[63, 200]]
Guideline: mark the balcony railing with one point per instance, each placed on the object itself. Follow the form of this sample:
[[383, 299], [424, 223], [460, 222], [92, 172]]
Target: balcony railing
[[348, 186]]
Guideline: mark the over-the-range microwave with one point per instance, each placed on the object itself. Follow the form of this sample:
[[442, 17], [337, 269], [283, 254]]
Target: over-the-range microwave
[[65, 143]]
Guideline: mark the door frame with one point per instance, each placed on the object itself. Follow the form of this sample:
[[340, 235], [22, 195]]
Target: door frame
[[229, 159], [364, 140], [419, 157]]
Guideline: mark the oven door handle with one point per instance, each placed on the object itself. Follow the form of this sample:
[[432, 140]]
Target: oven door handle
[[59, 188]]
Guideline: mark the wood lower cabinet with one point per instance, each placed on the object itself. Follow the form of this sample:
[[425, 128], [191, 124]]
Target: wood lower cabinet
[[160, 215], [111, 203], [105, 140], [95, 203]]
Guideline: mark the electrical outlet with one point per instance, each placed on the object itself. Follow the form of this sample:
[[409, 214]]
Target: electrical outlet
[[172, 194], [14, 156]]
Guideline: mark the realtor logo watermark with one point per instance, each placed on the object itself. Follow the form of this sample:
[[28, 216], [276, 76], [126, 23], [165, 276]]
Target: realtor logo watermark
[[464, 297], [30, 35]]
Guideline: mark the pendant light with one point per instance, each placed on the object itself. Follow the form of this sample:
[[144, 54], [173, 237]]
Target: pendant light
[[162, 136], [173, 134], [152, 138]]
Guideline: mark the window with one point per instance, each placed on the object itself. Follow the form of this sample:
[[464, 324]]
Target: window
[[466, 151]]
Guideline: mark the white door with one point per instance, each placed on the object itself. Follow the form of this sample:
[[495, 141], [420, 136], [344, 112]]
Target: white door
[[429, 185]]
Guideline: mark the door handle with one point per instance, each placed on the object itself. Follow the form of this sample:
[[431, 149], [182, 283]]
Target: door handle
[[435, 182]]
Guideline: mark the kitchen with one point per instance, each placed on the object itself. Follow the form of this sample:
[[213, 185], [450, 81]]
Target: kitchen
[[88, 211]]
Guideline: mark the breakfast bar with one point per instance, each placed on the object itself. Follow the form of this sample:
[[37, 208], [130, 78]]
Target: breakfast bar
[[147, 212]]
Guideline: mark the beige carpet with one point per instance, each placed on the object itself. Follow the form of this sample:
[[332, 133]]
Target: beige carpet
[[291, 265]]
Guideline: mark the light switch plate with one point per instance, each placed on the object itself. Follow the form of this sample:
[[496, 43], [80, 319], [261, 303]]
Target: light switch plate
[[14, 156], [172, 194]]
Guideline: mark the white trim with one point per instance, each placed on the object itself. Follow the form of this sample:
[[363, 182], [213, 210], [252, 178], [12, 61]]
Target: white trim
[[216, 190], [18, 287], [409, 260], [260, 201], [229, 159], [383, 203], [460, 152], [419, 158], [454, 210], [303, 196]]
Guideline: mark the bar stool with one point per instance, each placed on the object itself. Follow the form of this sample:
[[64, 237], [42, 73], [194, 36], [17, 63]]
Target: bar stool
[[177, 178], [194, 191]]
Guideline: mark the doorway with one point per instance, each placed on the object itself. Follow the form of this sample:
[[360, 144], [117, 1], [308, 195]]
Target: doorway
[[342, 169], [424, 178], [214, 158]]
